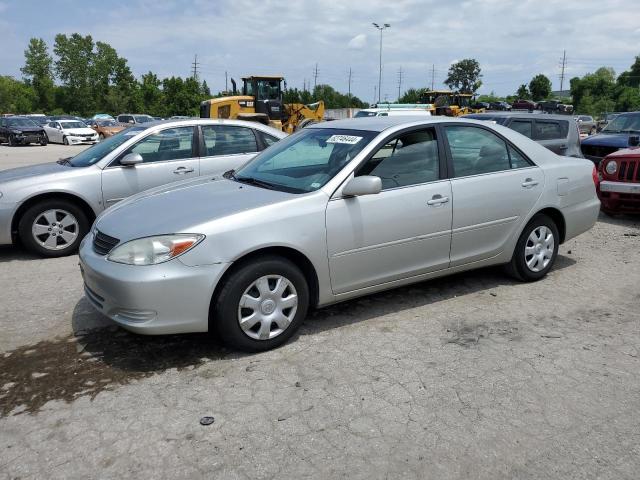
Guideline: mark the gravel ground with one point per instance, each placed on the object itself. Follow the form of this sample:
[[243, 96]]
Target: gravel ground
[[471, 376]]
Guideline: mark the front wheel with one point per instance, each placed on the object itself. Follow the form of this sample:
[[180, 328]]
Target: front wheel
[[65, 140], [536, 250], [12, 140], [44, 140], [101, 137], [53, 228], [261, 304]]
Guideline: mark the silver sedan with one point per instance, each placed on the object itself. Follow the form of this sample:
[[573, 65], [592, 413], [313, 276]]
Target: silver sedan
[[50, 207], [338, 210]]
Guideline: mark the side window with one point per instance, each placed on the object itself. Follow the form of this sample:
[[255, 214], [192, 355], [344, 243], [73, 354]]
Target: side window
[[408, 159], [267, 139], [550, 130], [228, 140], [170, 144], [517, 159], [525, 127], [476, 151]]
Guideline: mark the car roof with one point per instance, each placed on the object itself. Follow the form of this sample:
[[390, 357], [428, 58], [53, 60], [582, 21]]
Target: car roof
[[540, 116], [378, 124], [177, 122]]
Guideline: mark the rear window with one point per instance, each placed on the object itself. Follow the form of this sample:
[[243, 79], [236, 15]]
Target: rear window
[[525, 127], [551, 129]]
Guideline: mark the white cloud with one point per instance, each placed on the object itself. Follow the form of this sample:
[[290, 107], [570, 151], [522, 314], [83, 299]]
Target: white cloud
[[358, 42]]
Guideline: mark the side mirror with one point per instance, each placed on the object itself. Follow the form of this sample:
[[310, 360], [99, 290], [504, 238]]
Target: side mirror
[[365, 185], [131, 121], [131, 159]]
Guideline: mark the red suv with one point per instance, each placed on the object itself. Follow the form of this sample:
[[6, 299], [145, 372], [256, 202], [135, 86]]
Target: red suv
[[619, 189], [522, 104]]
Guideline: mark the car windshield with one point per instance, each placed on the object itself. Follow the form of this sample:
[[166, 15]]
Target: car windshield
[[365, 113], [143, 119], [305, 161], [624, 123], [20, 122], [99, 150], [73, 125]]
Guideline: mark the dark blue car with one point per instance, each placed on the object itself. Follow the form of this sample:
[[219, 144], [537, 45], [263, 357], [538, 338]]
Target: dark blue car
[[621, 132]]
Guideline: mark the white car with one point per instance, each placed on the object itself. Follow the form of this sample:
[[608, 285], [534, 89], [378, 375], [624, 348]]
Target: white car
[[70, 132]]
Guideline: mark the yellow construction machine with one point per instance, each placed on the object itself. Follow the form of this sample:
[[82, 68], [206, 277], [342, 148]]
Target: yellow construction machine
[[446, 102], [261, 101]]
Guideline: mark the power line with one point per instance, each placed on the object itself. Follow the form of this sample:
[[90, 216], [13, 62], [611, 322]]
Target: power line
[[194, 65]]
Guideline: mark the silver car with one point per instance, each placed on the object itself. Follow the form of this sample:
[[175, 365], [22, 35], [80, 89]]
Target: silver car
[[50, 207], [338, 210]]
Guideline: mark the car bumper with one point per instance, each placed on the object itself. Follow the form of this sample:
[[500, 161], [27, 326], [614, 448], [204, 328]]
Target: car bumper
[[620, 196], [7, 211], [29, 138], [157, 299], [580, 217], [77, 140]]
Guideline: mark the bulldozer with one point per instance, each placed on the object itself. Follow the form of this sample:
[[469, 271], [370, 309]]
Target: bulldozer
[[261, 101], [448, 103]]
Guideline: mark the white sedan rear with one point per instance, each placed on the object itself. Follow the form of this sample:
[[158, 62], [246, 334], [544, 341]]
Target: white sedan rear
[[70, 132]]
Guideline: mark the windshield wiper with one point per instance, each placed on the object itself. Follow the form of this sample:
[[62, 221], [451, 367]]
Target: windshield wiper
[[229, 174], [65, 161], [255, 181]]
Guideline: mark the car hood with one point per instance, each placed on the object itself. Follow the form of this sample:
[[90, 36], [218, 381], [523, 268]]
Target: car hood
[[79, 131], [183, 208], [31, 171], [25, 129], [619, 140]]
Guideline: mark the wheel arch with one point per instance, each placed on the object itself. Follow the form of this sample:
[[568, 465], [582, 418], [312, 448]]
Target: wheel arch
[[558, 218], [77, 200], [295, 256]]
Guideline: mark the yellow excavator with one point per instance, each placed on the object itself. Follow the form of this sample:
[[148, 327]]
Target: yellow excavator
[[261, 101], [446, 102]]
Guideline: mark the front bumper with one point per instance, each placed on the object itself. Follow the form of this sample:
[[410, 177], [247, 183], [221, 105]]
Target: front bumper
[[157, 299], [78, 140], [620, 196], [26, 138]]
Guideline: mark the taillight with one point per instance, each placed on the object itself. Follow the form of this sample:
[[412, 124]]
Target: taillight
[[596, 178]]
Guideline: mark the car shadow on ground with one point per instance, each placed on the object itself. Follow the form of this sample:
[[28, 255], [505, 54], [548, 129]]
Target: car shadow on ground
[[99, 356], [10, 253], [622, 220]]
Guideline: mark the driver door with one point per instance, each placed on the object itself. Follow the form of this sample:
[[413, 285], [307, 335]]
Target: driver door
[[169, 155]]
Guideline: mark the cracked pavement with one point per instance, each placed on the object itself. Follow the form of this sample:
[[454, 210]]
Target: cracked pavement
[[470, 376]]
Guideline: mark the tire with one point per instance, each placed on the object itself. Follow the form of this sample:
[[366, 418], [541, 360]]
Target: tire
[[592, 131], [268, 271], [523, 265], [44, 140], [65, 141], [101, 137], [59, 240], [12, 140]]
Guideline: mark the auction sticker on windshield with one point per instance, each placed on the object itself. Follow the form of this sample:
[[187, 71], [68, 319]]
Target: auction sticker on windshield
[[346, 139]]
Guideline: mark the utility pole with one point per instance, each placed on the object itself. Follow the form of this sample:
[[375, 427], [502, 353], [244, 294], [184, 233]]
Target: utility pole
[[399, 82], [195, 67], [433, 75], [349, 94], [381, 28], [226, 82], [375, 93], [562, 66], [315, 76]]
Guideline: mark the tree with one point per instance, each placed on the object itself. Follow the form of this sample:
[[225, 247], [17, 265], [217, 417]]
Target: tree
[[412, 95], [523, 92], [540, 87], [464, 76], [594, 91], [39, 72], [16, 96], [73, 66]]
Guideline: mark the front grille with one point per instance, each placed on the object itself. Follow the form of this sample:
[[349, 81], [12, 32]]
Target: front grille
[[103, 244], [629, 171], [597, 151]]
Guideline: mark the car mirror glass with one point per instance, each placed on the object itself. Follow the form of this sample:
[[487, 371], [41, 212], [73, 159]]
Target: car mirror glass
[[131, 159]]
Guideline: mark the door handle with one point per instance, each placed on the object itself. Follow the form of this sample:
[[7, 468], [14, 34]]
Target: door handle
[[437, 200], [182, 170], [529, 183]]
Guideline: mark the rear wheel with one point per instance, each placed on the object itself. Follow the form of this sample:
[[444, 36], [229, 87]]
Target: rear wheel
[[53, 228], [536, 250], [262, 303]]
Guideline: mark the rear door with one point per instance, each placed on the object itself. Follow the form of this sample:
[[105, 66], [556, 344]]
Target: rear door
[[494, 187], [169, 155], [226, 147], [552, 134]]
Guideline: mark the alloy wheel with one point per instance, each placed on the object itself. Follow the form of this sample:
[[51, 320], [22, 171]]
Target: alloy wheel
[[55, 229], [267, 307], [539, 248]]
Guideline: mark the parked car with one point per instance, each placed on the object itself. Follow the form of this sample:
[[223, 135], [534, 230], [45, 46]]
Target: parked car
[[500, 106], [338, 210], [50, 207], [606, 118], [106, 128], [481, 106], [386, 112], [558, 133], [619, 189], [21, 131], [133, 118], [70, 132], [621, 132], [522, 104], [102, 116], [586, 124]]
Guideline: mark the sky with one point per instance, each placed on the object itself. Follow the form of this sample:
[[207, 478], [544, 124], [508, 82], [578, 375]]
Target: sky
[[512, 40]]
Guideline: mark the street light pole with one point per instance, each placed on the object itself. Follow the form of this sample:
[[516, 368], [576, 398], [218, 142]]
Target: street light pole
[[381, 28]]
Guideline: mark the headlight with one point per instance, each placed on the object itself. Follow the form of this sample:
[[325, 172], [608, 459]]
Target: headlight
[[17, 132], [154, 250], [611, 167]]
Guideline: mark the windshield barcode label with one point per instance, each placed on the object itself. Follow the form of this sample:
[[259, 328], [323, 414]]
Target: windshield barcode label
[[347, 139]]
